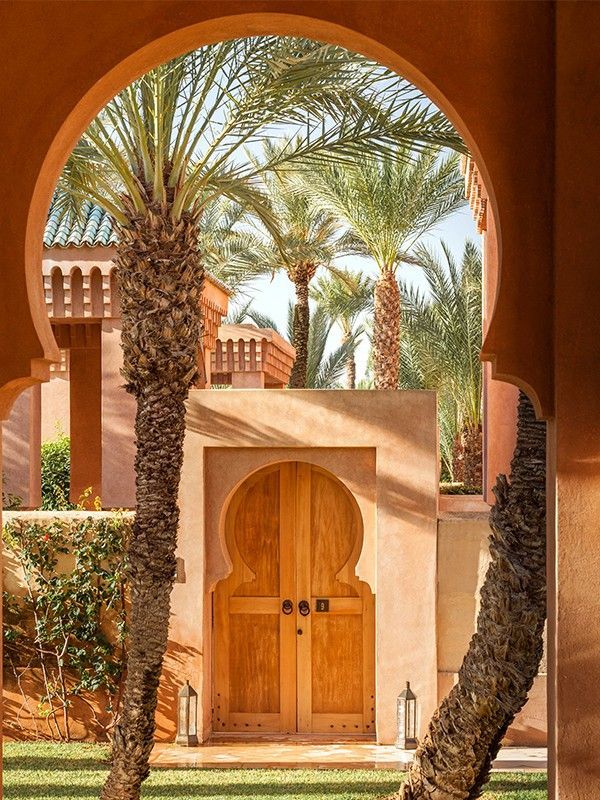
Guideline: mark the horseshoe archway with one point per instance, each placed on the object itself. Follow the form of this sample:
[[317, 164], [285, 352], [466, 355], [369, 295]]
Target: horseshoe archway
[[293, 625]]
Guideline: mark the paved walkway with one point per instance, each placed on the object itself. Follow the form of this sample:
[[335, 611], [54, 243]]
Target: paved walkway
[[318, 755]]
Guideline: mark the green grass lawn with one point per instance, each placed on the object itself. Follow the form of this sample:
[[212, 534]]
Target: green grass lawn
[[76, 771]]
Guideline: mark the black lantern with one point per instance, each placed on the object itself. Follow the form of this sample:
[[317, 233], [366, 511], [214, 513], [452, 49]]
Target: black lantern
[[187, 716], [407, 719]]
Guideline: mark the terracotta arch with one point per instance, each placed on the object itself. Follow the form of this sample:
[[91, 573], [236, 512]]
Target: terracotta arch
[[185, 38]]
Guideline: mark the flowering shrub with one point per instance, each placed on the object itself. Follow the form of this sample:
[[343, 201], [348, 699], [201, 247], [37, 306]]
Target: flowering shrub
[[70, 624]]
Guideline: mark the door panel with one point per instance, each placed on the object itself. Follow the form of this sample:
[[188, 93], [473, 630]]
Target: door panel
[[293, 533], [254, 688], [255, 647], [336, 661], [333, 536], [256, 538], [339, 660]]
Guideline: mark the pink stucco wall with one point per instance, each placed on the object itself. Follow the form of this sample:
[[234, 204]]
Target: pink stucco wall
[[383, 446]]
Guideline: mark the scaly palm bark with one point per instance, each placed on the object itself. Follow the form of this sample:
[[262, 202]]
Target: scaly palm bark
[[458, 457], [302, 275], [386, 332], [467, 457], [350, 363], [472, 457], [160, 278], [454, 759]]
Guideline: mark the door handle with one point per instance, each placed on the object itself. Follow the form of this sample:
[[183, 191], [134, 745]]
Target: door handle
[[287, 607], [304, 608]]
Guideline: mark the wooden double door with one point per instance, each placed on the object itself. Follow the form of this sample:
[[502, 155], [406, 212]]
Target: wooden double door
[[293, 625]]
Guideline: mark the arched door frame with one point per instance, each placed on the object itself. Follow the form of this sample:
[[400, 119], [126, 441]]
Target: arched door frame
[[347, 574], [212, 579]]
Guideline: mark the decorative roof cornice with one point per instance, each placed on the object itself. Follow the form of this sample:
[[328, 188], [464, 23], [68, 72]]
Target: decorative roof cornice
[[246, 348], [475, 192]]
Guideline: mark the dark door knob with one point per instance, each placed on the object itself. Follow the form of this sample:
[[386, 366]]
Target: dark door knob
[[287, 606], [304, 608]]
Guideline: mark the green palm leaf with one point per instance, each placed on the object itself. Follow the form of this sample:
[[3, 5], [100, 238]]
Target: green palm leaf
[[441, 340]]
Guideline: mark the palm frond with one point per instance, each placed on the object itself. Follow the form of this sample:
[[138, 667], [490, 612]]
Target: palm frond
[[441, 338], [176, 136]]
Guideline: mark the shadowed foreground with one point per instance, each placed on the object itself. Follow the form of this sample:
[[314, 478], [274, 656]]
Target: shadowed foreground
[[77, 771]]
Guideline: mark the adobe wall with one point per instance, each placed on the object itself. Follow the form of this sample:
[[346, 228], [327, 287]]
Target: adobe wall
[[575, 442], [462, 559], [499, 399], [118, 421], [21, 449], [383, 445]]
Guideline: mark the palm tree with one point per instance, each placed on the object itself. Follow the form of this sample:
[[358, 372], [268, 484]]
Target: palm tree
[[388, 203], [344, 297], [465, 733], [305, 240], [322, 371], [154, 158], [440, 346], [239, 249], [308, 235], [326, 371]]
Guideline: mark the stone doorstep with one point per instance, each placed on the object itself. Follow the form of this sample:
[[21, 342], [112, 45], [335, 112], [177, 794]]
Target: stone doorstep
[[319, 755]]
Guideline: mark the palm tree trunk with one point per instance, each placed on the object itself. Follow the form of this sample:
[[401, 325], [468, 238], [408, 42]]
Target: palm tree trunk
[[351, 373], [454, 759], [458, 459], [160, 281], [351, 361], [386, 332], [301, 327], [472, 458]]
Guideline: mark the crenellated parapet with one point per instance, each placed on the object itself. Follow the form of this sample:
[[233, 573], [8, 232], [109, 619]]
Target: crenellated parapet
[[80, 285], [243, 351]]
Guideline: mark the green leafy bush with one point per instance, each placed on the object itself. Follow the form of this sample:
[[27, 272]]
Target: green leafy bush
[[69, 626], [56, 477]]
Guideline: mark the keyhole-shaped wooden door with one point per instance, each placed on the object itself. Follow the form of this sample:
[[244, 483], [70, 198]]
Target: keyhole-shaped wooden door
[[293, 625]]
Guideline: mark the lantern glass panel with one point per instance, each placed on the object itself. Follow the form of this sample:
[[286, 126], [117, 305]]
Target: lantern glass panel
[[192, 717], [411, 719], [183, 715], [407, 719]]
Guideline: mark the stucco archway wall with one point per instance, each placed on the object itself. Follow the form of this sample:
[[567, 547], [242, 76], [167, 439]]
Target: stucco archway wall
[[499, 70], [458, 53], [382, 447]]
